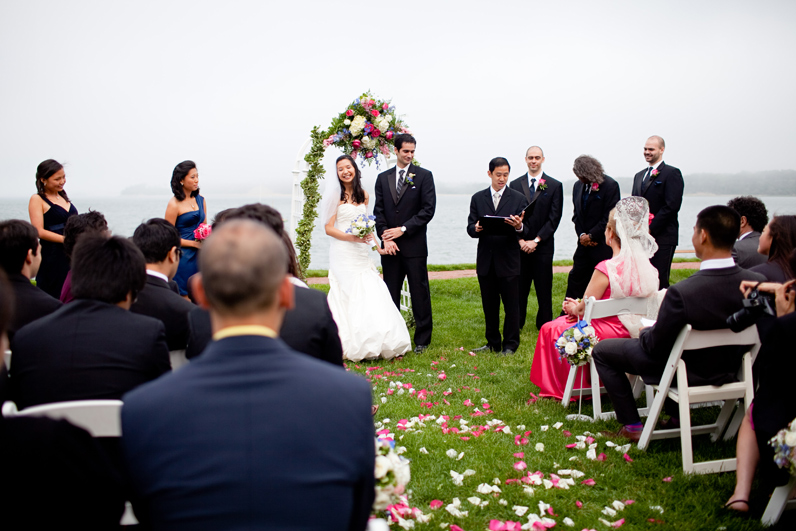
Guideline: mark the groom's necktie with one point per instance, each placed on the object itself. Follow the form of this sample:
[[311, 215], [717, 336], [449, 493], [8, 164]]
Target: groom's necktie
[[533, 186], [646, 177], [400, 181], [495, 199]]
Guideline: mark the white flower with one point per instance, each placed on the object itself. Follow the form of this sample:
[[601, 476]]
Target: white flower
[[790, 438], [383, 466], [589, 331], [383, 498], [368, 142], [347, 121], [357, 125], [576, 333], [571, 348], [619, 506], [561, 341], [558, 425]]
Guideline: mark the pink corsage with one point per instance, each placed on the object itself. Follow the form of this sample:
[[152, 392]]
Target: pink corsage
[[652, 216], [202, 231], [595, 187], [542, 184]]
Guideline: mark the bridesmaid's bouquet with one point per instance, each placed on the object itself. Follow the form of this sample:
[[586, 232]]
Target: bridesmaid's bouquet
[[362, 226], [392, 475], [576, 343], [202, 232], [784, 444]]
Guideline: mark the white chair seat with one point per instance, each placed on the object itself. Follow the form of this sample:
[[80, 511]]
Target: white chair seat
[[780, 501]]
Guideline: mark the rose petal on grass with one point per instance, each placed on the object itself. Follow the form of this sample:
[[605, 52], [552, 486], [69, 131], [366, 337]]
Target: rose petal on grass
[[519, 455], [602, 457], [668, 480], [455, 527], [540, 447], [436, 504], [628, 458], [579, 504], [589, 482]]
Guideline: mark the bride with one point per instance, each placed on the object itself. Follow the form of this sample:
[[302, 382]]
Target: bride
[[369, 324]]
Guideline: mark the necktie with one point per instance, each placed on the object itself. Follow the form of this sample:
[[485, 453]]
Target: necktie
[[646, 177], [495, 199], [533, 183], [586, 190], [400, 181]]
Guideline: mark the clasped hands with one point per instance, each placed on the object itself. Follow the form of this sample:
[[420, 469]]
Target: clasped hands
[[586, 241], [784, 294], [573, 308], [389, 236]]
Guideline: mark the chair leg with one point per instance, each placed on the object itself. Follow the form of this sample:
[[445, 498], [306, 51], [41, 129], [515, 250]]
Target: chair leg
[[596, 399], [726, 412], [570, 385], [779, 499], [652, 418], [685, 418], [735, 424]]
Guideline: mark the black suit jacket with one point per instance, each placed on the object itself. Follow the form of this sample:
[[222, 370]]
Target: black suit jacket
[[665, 195], [309, 328], [413, 209], [85, 350], [159, 301], [745, 254], [704, 300], [594, 218], [30, 303], [548, 205], [497, 250], [231, 441]]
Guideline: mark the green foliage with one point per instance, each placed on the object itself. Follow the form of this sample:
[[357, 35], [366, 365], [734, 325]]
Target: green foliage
[[311, 198]]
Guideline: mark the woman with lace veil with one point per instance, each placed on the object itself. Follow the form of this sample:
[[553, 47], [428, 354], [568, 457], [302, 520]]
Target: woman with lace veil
[[369, 324], [627, 274]]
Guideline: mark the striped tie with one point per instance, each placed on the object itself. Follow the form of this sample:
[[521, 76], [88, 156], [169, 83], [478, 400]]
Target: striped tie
[[400, 181]]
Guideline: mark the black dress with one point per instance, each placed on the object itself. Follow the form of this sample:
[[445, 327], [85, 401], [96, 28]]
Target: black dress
[[54, 263]]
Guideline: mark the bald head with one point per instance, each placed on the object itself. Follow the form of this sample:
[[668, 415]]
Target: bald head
[[243, 263], [659, 140]]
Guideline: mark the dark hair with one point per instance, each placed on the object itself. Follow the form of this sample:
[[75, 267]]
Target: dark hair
[[44, 171], [722, 225], [357, 193], [792, 260], [271, 218], [178, 175], [6, 305], [155, 238], [782, 230], [221, 216], [17, 237], [401, 139], [753, 209], [92, 222], [588, 168], [107, 269], [497, 162]]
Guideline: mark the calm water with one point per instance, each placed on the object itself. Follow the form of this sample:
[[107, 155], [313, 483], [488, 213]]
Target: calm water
[[448, 239]]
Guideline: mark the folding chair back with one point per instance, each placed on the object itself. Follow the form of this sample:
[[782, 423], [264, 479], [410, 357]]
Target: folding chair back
[[101, 418], [178, 359]]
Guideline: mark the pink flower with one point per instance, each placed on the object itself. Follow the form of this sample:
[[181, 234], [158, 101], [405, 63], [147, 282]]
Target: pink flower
[[497, 525], [354, 154], [357, 144], [349, 113], [595, 187], [442, 376], [655, 173], [389, 135], [374, 113], [368, 154], [375, 133], [371, 102], [202, 231], [567, 433], [385, 106], [652, 216], [435, 504], [602, 457], [542, 181]]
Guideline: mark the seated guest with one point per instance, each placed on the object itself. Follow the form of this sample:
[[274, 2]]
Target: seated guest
[[159, 242], [308, 327], [754, 217], [628, 274], [92, 222], [777, 241], [206, 448], [20, 257], [704, 300], [93, 347], [55, 475]]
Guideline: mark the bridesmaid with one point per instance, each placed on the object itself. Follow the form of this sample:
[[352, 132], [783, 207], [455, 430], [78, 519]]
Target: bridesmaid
[[186, 210], [49, 209]]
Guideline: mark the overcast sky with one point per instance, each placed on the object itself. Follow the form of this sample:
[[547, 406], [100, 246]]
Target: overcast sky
[[123, 91]]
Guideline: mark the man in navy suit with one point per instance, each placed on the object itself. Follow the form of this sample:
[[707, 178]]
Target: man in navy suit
[[405, 203], [536, 261], [662, 186], [250, 434], [498, 258]]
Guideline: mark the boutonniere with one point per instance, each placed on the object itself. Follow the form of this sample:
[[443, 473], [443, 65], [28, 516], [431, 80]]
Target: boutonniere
[[542, 184], [410, 179], [595, 187], [652, 216], [655, 173]]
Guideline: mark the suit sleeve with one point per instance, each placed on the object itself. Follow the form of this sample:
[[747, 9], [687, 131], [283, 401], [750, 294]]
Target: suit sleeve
[[428, 205], [333, 349], [364, 490], [578, 228], [658, 340], [525, 232], [378, 209], [472, 219], [161, 363], [673, 195], [611, 199], [556, 210]]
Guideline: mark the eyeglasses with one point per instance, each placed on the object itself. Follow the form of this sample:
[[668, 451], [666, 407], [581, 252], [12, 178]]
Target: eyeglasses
[[178, 250]]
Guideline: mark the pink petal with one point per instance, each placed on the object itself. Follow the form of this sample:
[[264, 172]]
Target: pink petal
[[442, 376], [618, 523], [589, 482], [579, 504], [602, 457], [436, 504], [668, 480], [519, 455], [468, 402], [446, 402], [550, 511], [629, 502], [589, 440], [464, 438], [628, 458], [455, 527], [573, 445], [520, 465], [567, 433], [497, 525]]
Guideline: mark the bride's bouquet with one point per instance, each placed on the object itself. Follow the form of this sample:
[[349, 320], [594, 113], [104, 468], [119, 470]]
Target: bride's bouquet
[[392, 475], [362, 226], [784, 444], [576, 343]]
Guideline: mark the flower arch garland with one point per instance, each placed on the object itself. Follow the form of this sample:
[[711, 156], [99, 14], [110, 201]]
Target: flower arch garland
[[364, 130]]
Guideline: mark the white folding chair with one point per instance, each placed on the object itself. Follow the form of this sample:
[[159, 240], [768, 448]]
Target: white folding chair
[[597, 310], [780, 501], [684, 395], [101, 418], [177, 359], [7, 359]]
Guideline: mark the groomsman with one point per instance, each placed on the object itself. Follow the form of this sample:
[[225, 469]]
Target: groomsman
[[662, 186], [498, 258], [536, 257], [405, 203]]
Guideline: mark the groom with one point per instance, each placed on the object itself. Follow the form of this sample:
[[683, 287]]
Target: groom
[[405, 203]]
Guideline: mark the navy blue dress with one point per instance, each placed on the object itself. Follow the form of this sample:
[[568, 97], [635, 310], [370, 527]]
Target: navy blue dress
[[189, 264], [54, 263]]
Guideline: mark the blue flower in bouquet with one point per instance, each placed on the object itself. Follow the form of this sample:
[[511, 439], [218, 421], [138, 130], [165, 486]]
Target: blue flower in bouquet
[[576, 343]]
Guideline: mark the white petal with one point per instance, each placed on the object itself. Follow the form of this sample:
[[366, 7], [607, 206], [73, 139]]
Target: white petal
[[423, 450], [519, 510], [568, 522]]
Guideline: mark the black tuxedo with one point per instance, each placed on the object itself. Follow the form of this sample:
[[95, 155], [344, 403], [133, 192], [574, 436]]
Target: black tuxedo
[[590, 219], [308, 328], [159, 301], [30, 303], [664, 192], [704, 300], [413, 209], [498, 266], [85, 350], [745, 254], [537, 267]]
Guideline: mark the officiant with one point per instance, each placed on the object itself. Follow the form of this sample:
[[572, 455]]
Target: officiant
[[496, 216]]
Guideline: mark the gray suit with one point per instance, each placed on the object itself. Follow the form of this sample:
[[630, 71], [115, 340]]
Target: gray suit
[[745, 254]]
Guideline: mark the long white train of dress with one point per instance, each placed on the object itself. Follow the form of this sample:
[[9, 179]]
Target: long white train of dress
[[369, 324]]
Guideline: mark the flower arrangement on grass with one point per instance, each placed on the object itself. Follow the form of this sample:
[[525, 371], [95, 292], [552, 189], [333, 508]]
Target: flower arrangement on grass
[[784, 444], [362, 226], [576, 343]]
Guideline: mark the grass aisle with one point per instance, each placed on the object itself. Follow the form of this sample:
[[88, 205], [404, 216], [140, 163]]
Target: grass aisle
[[448, 380]]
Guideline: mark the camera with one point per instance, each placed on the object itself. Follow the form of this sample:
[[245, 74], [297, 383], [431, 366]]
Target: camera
[[754, 307]]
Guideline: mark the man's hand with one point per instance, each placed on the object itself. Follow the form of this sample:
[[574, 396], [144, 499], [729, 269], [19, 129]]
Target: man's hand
[[478, 227], [785, 298], [528, 246], [392, 234], [390, 247], [584, 240], [516, 221]]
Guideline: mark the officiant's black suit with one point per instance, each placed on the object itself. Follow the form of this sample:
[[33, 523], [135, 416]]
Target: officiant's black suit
[[590, 220], [498, 266], [704, 300], [158, 301], [537, 267], [413, 209], [664, 192]]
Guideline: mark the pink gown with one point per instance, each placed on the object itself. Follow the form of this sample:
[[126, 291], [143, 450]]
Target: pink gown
[[547, 370]]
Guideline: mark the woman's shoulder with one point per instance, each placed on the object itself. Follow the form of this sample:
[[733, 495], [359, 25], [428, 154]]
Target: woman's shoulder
[[602, 267]]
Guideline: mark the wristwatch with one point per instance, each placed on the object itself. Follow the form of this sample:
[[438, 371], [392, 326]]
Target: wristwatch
[[537, 239], [403, 229]]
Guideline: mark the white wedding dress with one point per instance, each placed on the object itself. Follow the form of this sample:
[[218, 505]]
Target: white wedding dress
[[369, 324]]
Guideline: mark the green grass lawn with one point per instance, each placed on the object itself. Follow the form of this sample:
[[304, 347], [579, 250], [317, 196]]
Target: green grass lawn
[[687, 501]]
